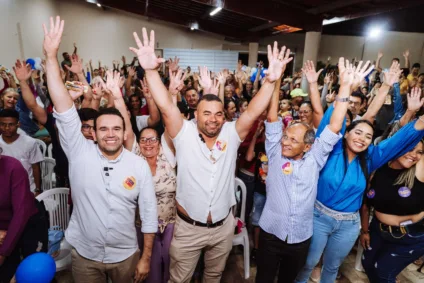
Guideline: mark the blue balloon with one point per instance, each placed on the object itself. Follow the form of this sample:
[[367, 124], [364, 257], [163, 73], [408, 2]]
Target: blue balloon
[[253, 76], [31, 62], [37, 268]]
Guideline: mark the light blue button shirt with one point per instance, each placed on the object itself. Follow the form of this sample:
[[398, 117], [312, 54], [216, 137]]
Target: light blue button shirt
[[291, 185]]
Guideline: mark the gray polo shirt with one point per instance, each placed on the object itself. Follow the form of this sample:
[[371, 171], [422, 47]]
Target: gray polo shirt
[[105, 194]]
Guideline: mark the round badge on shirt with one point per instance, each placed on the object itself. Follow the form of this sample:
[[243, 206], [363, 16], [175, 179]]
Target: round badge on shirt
[[404, 192], [371, 193], [287, 168]]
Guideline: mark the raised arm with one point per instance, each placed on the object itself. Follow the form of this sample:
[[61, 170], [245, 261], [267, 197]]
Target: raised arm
[[273, 106], [23, 74], [129, 80], [415, 102], [406, 56], [176, 83], [75, 49], [377, 64], [250, 154], [78, 69], [390, 77], [312, 77], [221, 80], [58, 93], [149, 62], [324, 91], [154, 116], [277, 64], [258, 75]]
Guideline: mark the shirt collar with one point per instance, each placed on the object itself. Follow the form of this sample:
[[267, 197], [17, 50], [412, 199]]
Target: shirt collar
[[116, 160]]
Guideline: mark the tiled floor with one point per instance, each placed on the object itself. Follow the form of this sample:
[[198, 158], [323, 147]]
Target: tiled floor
[[234, 272]]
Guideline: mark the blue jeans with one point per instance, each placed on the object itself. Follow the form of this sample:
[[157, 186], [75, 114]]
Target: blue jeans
[[390, 253], [258, 207], [333, 237]]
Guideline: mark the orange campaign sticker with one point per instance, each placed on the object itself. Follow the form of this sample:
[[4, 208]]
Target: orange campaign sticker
[[129, 183]]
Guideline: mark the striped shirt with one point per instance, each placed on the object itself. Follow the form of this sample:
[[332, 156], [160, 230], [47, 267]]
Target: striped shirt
[[292, 185]]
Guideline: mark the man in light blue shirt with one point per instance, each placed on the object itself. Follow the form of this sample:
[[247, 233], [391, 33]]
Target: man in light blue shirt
[[295, 158]]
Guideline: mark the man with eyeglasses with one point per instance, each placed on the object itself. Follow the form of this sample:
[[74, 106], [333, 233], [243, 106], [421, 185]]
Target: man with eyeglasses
[[22, 147], [295, 158], [356, 100], [87, 117]]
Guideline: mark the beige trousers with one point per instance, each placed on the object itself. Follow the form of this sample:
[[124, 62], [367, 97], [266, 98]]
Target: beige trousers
[[189, 241], [89, 271]]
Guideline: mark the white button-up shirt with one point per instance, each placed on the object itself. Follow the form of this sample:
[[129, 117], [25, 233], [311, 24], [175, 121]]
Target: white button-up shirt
[[205, 179], [105, 194]]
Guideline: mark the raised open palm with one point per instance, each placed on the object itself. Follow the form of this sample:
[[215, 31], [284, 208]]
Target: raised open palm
[[415, 102], [277, 62], [76, 65], [310, 73], [392, 76], [22, 70], [146, 51], [176, 81], [53, 36]]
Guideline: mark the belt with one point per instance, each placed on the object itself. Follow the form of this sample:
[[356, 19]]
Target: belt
[[342, 216], [200, 224], [403, 230]]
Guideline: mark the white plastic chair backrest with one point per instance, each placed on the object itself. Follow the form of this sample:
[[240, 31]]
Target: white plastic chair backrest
[[42, 146], [50, 151], [47, 167], [56, 203], [240, 184]]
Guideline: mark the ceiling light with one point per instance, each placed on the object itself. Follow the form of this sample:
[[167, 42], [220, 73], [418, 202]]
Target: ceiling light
[[192, 28], [374, 32], [98, 5], [215, 11]]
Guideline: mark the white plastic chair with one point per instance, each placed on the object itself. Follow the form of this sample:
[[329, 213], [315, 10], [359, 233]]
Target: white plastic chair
[[56, 203], [42, 145], [47, 166], [243, 237], [50, 151]]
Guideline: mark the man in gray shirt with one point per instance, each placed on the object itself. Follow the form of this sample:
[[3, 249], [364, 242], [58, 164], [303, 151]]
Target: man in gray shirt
[[108, 183]]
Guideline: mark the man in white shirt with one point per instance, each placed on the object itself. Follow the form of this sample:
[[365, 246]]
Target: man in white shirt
[[22, 147], [206, 154], [108, 184]]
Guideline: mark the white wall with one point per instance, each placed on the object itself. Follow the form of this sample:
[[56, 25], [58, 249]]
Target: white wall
[[107, 35], [30, 14]]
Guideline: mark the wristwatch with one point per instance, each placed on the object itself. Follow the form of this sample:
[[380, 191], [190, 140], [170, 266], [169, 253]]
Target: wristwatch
[[344, 99]]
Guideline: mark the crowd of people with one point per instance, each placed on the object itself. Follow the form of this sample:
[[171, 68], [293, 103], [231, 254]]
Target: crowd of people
[[151, 151]]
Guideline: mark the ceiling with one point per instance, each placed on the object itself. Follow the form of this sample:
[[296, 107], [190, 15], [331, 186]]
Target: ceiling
[[249, 20]]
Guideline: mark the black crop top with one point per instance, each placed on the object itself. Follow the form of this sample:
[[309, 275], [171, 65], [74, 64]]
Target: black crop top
[[394, 199]]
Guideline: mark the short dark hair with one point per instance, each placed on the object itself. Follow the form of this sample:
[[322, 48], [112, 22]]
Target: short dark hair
[[210, 97], [190, 88], [360, 95], [109, 111], [396, 59], [135, 95], [349, 113], [149, 128], [307, 103], [405, 71], [9, 113], [87, 114], [416, 65]]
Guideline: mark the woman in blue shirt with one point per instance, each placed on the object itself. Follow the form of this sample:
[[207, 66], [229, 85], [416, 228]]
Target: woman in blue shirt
[[341, 186]]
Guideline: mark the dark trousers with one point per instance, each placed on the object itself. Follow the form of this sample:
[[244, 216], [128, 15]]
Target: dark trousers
[[390, 253], [34, 238], [273, 252]]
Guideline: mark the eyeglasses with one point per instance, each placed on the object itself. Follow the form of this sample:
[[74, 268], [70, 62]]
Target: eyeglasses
[[304, 112], [86, 127], [292, 140], [148, 140], [356, 104], [8, 125]]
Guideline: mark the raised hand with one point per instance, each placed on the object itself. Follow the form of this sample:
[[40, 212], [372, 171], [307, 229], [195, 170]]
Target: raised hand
[[415, 102], [205, 78], [214, 89], [392, 76], [379, 54], [221, 78], [112, 83], [53, 37], [176, 81], [76, 64], [346, 72], [327, 78], [145, 88], [22, 71], [98, 89], [310, 73], [131, 71], [77, 91], [278, 59], [406, 53], [173, 65], [360, 74], [146, 51]]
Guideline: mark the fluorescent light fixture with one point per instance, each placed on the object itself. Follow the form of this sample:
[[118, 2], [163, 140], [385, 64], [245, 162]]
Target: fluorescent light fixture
[[374, 32], [334, 20], [98, 5], [215, 11]]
